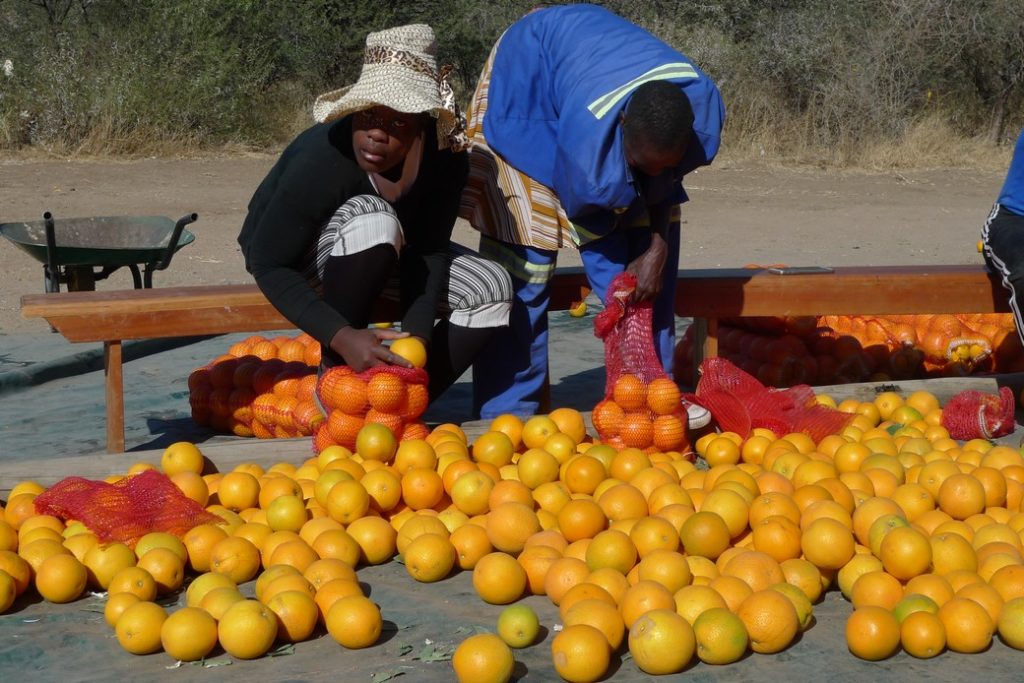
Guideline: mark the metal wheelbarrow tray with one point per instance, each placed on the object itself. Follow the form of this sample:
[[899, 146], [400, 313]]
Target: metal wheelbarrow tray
[[79, 251]]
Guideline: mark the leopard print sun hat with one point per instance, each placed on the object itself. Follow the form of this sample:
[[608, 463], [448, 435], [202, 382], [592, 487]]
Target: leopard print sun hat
[[400, 71]]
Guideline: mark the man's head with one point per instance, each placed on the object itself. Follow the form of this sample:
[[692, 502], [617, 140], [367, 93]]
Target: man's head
[[657, 126]]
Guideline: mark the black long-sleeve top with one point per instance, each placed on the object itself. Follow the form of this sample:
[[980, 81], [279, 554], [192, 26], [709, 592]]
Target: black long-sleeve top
[[314, 176]]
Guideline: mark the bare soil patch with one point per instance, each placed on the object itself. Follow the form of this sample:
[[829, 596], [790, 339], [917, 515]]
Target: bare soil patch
[[736, 216]]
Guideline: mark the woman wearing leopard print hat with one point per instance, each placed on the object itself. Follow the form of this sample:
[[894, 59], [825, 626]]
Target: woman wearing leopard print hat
[[362, 205]]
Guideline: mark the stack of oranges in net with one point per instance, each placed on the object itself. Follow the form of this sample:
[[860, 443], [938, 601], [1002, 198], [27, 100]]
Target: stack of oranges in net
[[260, 387], [389, 395], [643, 415]]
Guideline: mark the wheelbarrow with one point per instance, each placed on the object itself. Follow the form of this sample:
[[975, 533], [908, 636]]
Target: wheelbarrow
[[80, 251]]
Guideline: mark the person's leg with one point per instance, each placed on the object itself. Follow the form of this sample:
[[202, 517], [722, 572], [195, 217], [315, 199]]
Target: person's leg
[[1003, 247], [608, 256], [664, 319], [511, 371], [357, 252], [477, 303]]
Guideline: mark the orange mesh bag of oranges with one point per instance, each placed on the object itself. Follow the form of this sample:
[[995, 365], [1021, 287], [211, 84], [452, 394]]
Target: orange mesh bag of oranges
[[390, 395], [261, 387], [739, 403], [642, 405], [126, 510]]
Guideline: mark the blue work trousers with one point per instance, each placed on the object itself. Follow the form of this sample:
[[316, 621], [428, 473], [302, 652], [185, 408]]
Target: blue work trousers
[[510, 374]]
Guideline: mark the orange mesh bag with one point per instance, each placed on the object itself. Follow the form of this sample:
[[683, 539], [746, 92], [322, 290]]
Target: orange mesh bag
[[387, 394], [126, 510], [739, 403], [973, 414]]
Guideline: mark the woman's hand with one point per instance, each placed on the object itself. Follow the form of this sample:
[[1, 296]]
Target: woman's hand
[[363, 349], [648, 269]]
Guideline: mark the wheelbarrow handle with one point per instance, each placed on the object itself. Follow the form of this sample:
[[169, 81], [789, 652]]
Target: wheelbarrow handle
[[165, 260], [52, 282]]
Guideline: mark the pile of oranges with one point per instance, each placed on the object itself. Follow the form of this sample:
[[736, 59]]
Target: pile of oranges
[[260, 387], [637, 414], [641, 550], [837, 349]]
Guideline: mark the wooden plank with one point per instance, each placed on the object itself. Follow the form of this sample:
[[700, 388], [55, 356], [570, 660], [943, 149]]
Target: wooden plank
[[703, 293], [225, 453], [855, 290], [944, 388], [199, 310]]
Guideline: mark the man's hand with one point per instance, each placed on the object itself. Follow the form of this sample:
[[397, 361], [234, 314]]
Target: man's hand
[[648, 269], [363, 349]]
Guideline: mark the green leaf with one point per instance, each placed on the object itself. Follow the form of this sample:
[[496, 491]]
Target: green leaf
[[435, 653], [287, 649], [382, 676]]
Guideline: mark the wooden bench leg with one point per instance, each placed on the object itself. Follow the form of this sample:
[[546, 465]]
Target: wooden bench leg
[[705, 343], [711, 340], [113, 370]]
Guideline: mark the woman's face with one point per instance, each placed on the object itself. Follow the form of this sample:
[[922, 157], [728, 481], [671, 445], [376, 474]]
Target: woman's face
[[381, 137]]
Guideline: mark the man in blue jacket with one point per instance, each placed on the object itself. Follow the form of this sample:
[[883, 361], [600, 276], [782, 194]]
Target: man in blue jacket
[[1003, 234], [584, 125]]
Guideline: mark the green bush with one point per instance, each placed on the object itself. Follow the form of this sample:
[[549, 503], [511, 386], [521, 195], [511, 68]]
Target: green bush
[[802, 79]]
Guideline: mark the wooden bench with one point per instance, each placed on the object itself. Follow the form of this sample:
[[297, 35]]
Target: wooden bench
[[706, 295], [114, 316]]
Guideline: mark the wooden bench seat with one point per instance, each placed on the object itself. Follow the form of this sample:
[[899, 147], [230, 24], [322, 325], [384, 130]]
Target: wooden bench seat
[[706, 295], [114, 316]]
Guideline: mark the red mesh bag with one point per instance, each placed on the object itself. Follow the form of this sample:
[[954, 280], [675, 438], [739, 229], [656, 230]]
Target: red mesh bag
[[387, 394], [626, 327], [739, 403], [974, 414], [126, 510]]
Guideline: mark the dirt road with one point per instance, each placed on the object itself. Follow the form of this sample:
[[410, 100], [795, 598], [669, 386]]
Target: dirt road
[[736, 216]]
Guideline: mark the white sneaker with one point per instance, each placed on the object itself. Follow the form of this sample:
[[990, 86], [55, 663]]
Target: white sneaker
[[699, 416]]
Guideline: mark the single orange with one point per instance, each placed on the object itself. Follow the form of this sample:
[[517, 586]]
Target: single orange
[[872, 633]]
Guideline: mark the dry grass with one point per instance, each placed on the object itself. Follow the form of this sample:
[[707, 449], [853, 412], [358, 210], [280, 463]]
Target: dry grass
[[929, 143], [754, 136]]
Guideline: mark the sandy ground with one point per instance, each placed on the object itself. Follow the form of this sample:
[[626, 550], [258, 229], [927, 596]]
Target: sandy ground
[[737, 216]]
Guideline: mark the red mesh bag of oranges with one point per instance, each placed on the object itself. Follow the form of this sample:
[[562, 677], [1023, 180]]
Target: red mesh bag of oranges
[[126, 510], [642, 406], [974, 414], [387, 394]]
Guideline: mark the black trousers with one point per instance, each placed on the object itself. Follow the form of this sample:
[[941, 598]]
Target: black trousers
[[1003, 248]]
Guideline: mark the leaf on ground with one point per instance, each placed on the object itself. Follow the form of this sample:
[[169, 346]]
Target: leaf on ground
[[404, 649], [382, 676], [287, 649], [213, 663], [435, 653], [476, 629]]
